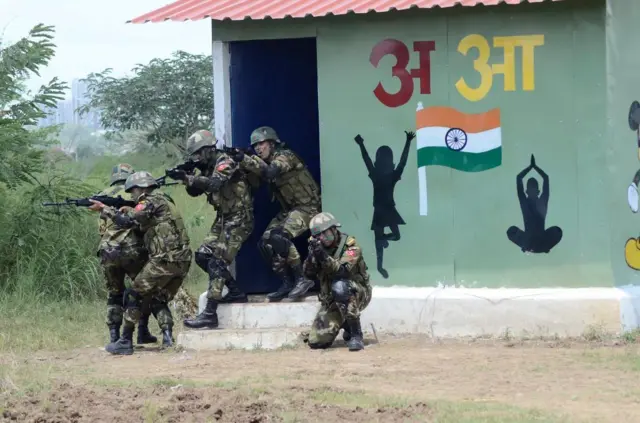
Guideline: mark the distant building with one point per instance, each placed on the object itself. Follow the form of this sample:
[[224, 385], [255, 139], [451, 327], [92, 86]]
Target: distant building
[[65, 111]]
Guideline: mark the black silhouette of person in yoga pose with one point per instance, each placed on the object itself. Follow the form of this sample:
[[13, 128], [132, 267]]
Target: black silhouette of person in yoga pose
[[384, 175], [534, 238]]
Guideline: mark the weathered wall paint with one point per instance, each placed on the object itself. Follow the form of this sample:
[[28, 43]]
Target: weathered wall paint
[[622, 146], [552, 105]]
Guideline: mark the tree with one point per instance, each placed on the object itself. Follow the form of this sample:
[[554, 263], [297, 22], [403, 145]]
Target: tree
[[20, 157], [167, 98]]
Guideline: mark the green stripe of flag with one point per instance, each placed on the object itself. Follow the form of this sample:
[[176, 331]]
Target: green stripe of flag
[[466, 162]]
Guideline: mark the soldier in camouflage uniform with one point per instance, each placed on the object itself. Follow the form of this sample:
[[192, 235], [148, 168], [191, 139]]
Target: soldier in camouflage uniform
[[336, 260], [122, 254], [228, 190], [167, 242], [299, 196]]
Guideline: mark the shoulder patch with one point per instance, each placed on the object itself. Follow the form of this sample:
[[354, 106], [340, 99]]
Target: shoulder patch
[[222, 166], [140, 206], [351, 253], [351, 241]]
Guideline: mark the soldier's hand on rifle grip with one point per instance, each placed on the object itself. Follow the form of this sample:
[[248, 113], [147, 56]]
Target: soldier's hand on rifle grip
[[97, 205], [238, 156]]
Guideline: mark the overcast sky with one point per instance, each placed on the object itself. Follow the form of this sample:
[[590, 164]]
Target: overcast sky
[[92, 35]]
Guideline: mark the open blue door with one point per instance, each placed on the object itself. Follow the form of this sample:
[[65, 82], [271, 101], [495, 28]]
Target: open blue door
[[273, 83]]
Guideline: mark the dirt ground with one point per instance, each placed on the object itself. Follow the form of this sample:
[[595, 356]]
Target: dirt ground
[[398, 380]]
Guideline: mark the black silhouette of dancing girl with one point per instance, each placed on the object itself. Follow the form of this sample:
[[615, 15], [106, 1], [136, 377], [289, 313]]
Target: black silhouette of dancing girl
[[384, 175]]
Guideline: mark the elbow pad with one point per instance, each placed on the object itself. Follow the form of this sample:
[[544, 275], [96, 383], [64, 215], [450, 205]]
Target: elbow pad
[[123, 220], [193, 191]]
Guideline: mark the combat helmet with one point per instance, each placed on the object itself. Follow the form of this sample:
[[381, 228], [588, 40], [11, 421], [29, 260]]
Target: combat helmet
[[264, 133], [321, 222], [121, 172], [142, 179], [200, 139]]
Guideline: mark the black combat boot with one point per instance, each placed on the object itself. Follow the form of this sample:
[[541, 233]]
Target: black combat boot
[[235, 295], [285, 288], [124, 345], [114, 333], [144, 336], [355, 343], [207, 319], [302, 284], [167, 337]]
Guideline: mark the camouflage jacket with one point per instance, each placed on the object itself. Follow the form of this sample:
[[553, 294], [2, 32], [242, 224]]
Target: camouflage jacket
[[112, 235], [345, 261], [226, 185], [293, 185], [165, 236]]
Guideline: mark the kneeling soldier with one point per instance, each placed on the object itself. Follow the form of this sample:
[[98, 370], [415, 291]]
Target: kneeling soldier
[[335, 259]]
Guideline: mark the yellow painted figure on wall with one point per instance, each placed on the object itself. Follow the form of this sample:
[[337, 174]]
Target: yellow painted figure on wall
[[632, 246]]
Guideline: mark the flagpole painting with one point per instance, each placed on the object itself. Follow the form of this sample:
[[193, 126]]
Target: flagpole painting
[[465, 142]]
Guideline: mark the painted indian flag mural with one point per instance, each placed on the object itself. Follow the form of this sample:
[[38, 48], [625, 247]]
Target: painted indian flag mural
[[450, 138]]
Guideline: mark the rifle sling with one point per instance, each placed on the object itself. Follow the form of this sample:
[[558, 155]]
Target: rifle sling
[[343, 241]]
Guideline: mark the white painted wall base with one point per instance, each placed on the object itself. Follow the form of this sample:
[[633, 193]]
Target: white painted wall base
[[247, 339], [459, 312]]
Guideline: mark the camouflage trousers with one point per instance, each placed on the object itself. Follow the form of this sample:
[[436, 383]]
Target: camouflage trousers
[[117, 264], [294, 222], [156, 284], [225, 239], [329, 319]]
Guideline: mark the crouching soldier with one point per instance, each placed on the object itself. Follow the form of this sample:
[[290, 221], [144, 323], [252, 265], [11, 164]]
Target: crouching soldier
[[335, 259], [167, 242]]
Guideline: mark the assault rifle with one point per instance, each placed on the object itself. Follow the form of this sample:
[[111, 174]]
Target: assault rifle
[[115, 202], [232, 151], [187, 167]]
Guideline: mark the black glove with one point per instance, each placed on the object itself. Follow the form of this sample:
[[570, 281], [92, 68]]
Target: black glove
[[178, 175], [317, 250], [238, 156]]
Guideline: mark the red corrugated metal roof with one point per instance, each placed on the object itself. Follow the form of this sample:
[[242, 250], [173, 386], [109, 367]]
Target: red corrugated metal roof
[[183, 10]]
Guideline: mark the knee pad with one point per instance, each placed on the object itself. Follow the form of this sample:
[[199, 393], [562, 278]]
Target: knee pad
[[132, 299], [115, 299], [319, 345], [157, 306], [341, 291], [202, 257], [217, 268], [280, 241]]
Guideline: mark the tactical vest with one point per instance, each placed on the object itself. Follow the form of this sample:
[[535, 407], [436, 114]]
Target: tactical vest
[[167, 238], [235, 195], [295, 188]]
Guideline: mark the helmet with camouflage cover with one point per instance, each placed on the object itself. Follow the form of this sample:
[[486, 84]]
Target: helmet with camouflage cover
[[121, 172], [264, 133], [141, 179], [200, 139], [321, 222]]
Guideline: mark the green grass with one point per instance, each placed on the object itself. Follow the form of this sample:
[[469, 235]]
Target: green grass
[[431, 411], [627, 359], [52, 291], [32, 325]]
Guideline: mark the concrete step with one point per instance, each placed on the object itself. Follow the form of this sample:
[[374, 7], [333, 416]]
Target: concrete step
[[246, 339], [263, 315]]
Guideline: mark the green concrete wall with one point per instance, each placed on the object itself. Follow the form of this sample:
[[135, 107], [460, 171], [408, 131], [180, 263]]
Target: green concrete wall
[[623, 158], [561, 120]]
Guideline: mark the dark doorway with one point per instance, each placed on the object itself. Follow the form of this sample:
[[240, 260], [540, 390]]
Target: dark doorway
[[273, 83]]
